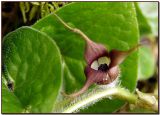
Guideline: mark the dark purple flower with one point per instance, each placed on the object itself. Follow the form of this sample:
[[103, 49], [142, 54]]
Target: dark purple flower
[[102, 66]]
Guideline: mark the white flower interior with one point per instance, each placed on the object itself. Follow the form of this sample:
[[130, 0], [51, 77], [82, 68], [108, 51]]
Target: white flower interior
[[101, 60], [95, 65]]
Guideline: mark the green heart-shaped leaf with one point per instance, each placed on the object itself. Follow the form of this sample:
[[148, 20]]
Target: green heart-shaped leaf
[[112, 24], [33, 61]]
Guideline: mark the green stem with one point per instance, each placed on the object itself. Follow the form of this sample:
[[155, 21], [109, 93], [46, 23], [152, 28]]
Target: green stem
[[22, 7], [139, 100], [117, 92]]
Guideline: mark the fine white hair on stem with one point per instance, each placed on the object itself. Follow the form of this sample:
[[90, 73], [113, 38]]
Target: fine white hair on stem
[[93, 96]]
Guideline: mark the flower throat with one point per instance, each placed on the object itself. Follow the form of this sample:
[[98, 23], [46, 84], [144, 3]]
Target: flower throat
[[103, 67]]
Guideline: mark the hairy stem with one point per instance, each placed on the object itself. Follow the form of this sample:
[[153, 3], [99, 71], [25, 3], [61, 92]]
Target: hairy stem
[[139, 100], [90, 98]]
